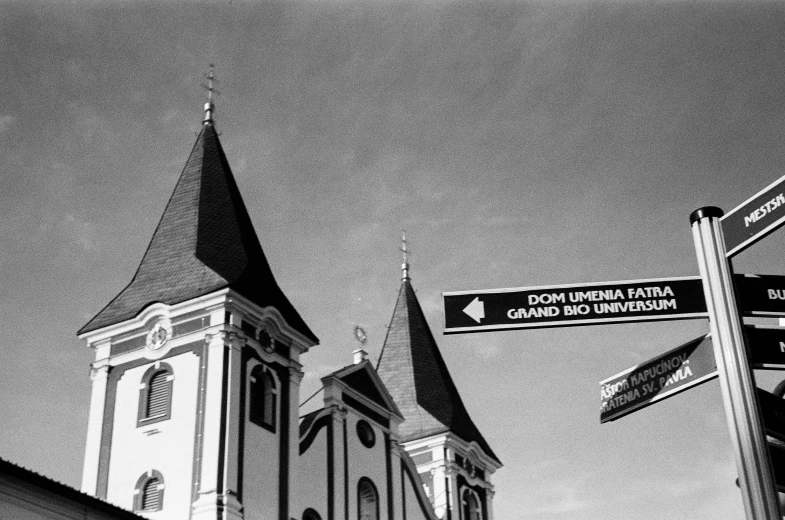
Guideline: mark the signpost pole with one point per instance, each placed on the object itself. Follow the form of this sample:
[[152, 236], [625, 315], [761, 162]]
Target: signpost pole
[[738, 388]]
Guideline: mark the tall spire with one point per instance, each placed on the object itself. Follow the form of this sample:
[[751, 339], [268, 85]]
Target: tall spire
[[209, 107], [204, 242], [414, 372], [405, 264]]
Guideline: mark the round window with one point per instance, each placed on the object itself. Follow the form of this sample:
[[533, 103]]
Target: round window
[[366, 434]]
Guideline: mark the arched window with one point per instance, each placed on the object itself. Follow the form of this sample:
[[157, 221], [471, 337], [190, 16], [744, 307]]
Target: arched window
[[149, 492], [311, 514], [264, 397], [367, 500], [471, 505], [155, 394]]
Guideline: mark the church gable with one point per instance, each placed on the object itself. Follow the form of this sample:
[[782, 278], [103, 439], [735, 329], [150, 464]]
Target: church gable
[[363, 379]]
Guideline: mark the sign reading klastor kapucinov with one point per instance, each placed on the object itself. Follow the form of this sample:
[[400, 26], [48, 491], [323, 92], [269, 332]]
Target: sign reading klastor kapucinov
[[668, 374], [578, 304]]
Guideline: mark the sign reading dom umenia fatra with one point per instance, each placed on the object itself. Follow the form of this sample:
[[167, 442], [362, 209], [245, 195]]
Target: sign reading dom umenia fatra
[[579, 304]]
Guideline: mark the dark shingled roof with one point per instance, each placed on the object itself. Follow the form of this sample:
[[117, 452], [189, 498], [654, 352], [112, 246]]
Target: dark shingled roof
[[204, 242], [416, 376]]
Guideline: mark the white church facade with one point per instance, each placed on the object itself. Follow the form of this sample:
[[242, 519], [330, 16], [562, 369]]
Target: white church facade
[[196, 390]]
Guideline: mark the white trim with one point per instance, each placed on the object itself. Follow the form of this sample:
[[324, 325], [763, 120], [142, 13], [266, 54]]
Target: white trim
[[173, 311]]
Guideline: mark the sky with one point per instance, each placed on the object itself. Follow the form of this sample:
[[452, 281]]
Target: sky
[[517, 144]]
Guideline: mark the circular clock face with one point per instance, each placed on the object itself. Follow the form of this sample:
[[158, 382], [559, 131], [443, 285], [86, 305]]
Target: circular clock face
[[366, 434], [157, 337]]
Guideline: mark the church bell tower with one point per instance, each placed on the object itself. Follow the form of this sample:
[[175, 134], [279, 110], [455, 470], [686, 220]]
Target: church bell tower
[[452, 457], [196, 378]]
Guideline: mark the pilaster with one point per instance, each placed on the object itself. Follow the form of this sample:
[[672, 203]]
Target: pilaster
[[295, 378], [217, 491], [339, 463], [98, 376], [489, 502]]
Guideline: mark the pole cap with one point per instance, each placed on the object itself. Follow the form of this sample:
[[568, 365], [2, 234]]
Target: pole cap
[[707, 211]]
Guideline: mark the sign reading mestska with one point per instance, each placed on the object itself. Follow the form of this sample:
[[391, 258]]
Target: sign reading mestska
[[755, 218]]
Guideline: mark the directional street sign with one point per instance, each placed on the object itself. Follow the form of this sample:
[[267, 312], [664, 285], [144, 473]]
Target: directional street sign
[[675, 371], [605, 302], [772, 412], [684, 367], [777, 455], [755, 218], [579, 304], [766, 347], [761, 295]]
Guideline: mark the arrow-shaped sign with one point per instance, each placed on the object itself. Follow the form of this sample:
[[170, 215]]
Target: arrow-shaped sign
[[475, 310], [603, 302], [575, 304]]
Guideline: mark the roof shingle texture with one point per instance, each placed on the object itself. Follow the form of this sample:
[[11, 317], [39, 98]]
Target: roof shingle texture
[[204, 242], [414, 372]]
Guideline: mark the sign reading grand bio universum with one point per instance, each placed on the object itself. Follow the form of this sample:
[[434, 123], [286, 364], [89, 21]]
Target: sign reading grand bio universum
[[578, 304]]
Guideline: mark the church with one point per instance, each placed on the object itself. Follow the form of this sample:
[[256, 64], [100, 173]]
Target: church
[[194, 407]]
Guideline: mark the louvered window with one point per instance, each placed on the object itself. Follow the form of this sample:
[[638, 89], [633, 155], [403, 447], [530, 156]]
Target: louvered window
[[151, 496], [158, 395], [149, 493], [155, 394]]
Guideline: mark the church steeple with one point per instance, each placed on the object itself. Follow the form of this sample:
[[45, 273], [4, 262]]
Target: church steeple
[[197, 371], [204, 242], [454, 459], [413, 369]]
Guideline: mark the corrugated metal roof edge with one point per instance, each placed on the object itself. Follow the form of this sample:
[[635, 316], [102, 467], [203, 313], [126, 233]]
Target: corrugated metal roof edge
[[65, 491]]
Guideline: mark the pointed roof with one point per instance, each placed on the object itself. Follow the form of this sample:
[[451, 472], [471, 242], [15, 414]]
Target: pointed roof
[[204, 242], [363, 379], [414, 372]]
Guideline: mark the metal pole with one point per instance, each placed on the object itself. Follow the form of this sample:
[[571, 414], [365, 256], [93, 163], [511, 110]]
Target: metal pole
[[736, 381]]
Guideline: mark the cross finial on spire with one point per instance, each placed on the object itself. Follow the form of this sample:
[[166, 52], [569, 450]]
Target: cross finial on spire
[[209, 107], [405, 264]]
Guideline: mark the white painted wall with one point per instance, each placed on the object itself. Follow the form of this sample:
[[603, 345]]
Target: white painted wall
[[169, 450], [366, 462]]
